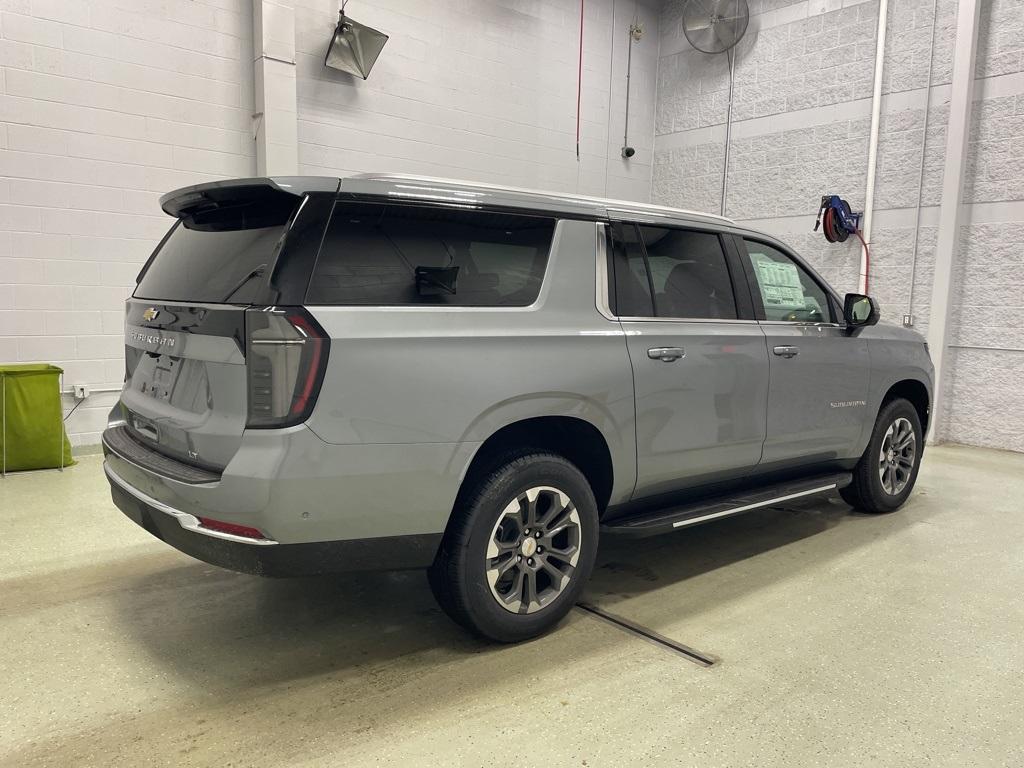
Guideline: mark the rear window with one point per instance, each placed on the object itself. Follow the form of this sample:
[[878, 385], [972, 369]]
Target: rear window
[[210, 266], [398, 254]]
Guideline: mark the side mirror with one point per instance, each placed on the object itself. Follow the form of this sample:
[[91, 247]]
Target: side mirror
[[860, 310]]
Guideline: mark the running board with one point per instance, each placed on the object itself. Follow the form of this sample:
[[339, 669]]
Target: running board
[[651, 523]]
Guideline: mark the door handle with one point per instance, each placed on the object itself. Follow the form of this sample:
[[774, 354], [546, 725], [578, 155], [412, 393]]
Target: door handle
[[666, 354], [786, 351]]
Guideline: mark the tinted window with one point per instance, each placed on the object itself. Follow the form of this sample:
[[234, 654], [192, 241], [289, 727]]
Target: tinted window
[[689, 273], [393, 254], [210, 266], [787, 290], [631, 293]]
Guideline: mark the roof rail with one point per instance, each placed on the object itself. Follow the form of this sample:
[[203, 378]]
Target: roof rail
[[568, 197]]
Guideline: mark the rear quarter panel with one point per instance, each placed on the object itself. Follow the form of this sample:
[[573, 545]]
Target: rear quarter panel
[[414, 375]]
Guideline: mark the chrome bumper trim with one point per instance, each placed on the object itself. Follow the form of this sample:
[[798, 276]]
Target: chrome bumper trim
[[185, 520]]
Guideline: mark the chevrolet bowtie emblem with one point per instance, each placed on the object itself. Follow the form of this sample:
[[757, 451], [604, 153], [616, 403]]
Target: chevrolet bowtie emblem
[[150, 314]]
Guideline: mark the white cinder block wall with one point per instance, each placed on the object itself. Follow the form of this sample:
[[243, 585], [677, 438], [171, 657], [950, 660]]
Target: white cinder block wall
[[106, 104], [802, 101], [483, 90]]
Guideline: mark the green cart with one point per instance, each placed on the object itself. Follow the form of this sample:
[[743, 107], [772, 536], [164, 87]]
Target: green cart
[[31, 425]]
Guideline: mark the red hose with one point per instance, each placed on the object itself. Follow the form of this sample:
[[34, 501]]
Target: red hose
[[579, 84]]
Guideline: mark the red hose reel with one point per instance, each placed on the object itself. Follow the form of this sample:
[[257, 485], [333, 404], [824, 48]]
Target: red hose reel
[[836, 218], [838, 222]]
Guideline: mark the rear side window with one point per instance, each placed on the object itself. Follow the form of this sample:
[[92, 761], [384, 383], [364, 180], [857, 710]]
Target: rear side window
[[398, 255]]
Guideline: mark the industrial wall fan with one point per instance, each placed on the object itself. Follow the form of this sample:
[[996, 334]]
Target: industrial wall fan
[[715, 26]]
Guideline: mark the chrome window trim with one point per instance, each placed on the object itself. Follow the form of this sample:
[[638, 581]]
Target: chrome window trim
[[185, 520], [729, 320], [803, 323], [422, 307]]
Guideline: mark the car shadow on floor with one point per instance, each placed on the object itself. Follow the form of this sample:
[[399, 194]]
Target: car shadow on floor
[[231, 631]]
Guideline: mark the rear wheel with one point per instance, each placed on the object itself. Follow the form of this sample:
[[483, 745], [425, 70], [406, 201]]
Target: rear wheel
[[519, 549], [886, 473]]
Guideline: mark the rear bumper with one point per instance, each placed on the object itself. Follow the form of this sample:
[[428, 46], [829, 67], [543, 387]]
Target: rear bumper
[[268, 557], [297, 489]]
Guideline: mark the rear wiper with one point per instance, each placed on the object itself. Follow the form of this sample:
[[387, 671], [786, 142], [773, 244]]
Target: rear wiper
[[256, 272]]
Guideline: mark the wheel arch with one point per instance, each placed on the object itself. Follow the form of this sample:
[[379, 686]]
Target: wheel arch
[[916, 392], [578, 440]]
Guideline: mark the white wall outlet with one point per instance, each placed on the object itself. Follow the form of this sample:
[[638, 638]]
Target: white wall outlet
[[908, 320], [81, 391]]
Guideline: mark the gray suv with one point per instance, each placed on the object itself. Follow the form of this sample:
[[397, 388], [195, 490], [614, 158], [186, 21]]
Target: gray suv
[[387, 371]]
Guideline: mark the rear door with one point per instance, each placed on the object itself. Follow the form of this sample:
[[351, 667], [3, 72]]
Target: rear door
[[186, 386], [819, 373], [699, 362]]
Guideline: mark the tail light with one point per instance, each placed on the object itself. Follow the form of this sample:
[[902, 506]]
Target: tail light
[[285, 359]]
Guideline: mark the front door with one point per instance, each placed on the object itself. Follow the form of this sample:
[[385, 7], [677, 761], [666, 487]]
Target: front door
[[700, 369], [819, 374]]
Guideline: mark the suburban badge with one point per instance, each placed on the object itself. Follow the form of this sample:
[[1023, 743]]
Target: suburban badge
[[151, 338]]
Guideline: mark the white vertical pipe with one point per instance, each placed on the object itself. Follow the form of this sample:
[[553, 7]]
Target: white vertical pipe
[[951, 211], [876, 114]]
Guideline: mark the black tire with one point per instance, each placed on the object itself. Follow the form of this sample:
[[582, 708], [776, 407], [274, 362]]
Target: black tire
[[459, 575], [867, 491]]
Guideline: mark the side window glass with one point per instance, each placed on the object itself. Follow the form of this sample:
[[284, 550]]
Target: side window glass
[[689, 273], [631, 292], [393, 254], [787, 290]]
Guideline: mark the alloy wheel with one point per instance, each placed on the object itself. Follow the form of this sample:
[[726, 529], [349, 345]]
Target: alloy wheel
[[533, 549], [897, 456]]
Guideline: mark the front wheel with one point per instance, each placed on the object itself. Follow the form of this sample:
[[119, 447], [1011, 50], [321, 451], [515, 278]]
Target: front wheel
[[886, 473], [519, 549]]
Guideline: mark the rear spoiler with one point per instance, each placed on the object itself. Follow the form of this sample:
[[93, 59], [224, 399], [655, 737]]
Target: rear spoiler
[[191, 203]]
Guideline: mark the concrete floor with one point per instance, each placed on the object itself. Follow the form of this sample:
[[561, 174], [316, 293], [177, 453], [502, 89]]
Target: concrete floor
[[843, 639]]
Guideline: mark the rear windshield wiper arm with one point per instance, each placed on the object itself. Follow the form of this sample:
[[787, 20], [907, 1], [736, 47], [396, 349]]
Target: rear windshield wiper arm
[[256, 272]]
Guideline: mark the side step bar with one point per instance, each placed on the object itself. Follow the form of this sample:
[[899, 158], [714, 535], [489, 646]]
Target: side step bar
[[653, 522]]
